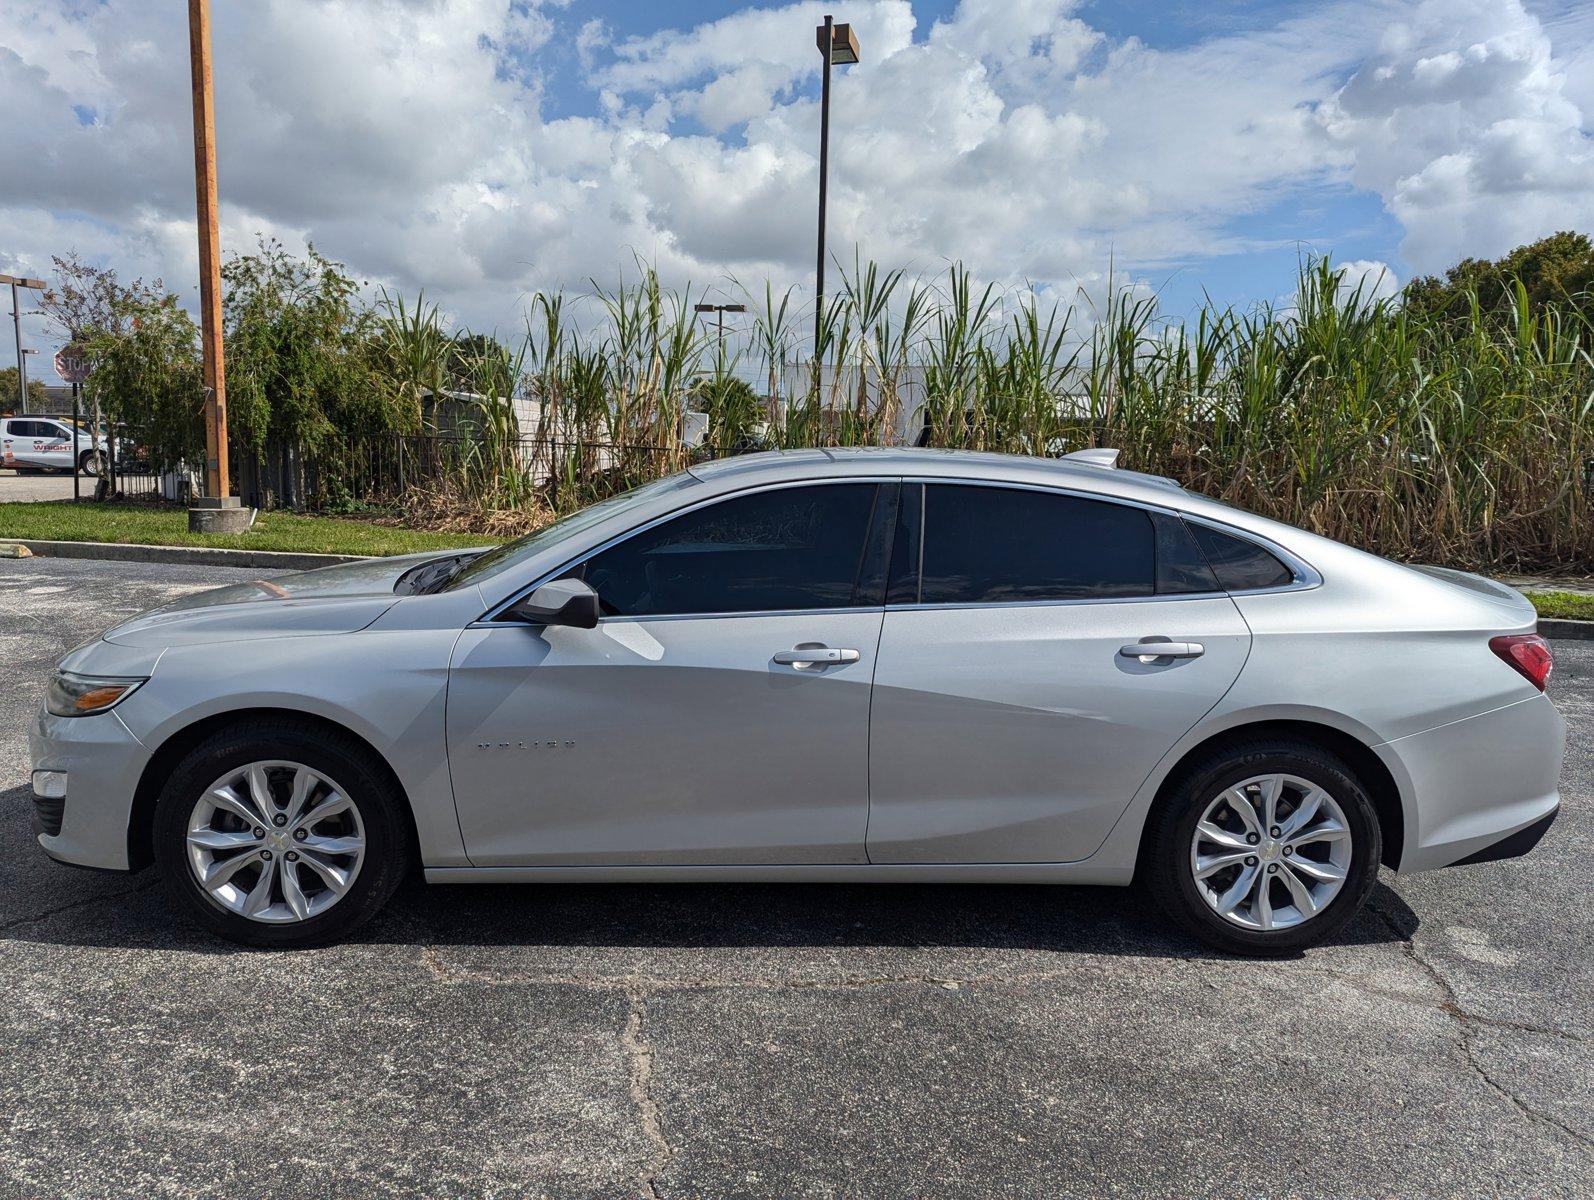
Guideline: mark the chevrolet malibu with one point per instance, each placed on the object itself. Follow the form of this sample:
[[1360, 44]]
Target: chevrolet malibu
[[828, 666]]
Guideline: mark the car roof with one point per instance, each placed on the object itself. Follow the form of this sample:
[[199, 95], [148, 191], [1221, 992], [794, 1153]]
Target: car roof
[[747, 469]]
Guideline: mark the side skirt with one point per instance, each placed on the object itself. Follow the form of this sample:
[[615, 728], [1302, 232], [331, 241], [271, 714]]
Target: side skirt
[[1097, 874]]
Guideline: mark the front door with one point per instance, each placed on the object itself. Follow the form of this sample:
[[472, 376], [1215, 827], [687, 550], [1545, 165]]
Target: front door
[[1008, 725], [719, 713]]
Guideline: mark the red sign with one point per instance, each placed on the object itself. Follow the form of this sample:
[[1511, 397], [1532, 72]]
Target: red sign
[[72, 364]]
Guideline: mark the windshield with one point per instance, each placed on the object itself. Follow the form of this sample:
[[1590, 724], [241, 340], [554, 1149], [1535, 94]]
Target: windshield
[[511, 554]]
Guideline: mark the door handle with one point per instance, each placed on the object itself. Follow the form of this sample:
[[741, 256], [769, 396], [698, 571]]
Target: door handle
[[815, 656], [1147, 650]]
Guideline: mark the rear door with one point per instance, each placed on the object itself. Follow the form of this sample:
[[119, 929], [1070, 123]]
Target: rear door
[[1008, 724]]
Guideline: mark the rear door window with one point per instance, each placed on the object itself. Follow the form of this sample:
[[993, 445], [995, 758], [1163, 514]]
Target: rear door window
[[992, 545]]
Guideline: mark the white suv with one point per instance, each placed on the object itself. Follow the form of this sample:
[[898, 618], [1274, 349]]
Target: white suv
[[34, 443]]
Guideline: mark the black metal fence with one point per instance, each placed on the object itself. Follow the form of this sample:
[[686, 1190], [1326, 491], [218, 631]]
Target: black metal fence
[[126, 469], [351, 472]]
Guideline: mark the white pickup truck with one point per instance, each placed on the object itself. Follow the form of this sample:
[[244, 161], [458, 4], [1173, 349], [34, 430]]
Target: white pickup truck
[[47, 443]]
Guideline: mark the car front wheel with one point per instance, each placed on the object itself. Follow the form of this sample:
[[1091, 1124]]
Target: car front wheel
[[1264, 849], [280, 834]]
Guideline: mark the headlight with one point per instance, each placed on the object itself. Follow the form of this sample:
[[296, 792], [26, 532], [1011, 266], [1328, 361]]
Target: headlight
[[85, 695]]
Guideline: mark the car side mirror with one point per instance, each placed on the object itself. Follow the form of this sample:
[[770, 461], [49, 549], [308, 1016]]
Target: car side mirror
[[560, 602]]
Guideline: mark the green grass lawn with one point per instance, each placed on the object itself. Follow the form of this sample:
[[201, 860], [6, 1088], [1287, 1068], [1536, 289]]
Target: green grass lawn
[[1567, 606], [90, 522]]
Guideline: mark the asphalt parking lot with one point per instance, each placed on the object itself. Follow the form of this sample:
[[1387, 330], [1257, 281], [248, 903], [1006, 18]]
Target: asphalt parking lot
[[40, 485], [780, 1041]]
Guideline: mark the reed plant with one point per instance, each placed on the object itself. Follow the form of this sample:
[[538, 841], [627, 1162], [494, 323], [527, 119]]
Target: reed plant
[[1459, 441]]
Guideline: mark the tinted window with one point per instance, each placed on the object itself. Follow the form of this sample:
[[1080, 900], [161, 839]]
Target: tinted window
[[782, 549], [1181, 569], [990, 545], [1240, 565], [512, 554]]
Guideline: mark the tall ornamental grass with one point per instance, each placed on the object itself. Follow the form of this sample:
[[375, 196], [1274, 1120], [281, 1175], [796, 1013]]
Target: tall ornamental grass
[[1455, 440]]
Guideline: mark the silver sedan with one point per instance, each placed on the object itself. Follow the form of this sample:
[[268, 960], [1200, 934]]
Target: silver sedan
[[821, 665]]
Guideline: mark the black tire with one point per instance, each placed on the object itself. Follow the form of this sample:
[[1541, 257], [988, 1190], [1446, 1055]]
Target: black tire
[[359, 773], [91, 463], [1171, 830]]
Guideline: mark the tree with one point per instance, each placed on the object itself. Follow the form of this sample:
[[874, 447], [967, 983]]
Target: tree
[[735, 412], [90, 306], [149, 375], [466, 355], [1559, 268], [301, 363], [86, 300], [8, 391]]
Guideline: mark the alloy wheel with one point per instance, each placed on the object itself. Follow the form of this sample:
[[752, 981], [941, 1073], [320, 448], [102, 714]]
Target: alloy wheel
[[1271, 852], [275, 842]]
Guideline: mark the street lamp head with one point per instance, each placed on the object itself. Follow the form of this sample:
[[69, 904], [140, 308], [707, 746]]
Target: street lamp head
[[734, 307], [843, 44]]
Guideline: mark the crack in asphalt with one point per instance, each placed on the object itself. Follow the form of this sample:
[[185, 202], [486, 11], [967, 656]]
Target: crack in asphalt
[[1465, 1022], [639, 1054], [1444, 1006], [87, 902]]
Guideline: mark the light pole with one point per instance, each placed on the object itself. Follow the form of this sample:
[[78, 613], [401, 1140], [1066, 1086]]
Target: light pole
[[839, 46], [22, 373], [720, 310], [37, 285]]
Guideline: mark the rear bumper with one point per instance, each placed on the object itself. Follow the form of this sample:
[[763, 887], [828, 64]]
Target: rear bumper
[[1480, 788], [1513, 845]]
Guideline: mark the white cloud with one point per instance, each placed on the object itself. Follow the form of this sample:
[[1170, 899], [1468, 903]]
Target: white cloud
[[1462, 121], [1371, 279], [409, 137]]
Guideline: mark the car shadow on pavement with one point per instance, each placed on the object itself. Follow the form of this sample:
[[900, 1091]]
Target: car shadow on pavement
[[45, 903]]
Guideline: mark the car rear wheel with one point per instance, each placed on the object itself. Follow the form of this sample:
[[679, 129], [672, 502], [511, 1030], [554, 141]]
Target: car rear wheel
[[1264, 849], [281, 834]]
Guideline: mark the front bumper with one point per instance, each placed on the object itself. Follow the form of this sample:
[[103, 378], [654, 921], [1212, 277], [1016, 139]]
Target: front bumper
[[102, 761]]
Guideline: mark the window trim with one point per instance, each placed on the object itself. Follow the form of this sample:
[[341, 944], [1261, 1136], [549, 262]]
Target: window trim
[[491, 617]]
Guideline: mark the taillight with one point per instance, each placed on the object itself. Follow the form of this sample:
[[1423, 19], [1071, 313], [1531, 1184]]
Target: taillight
[[1528, 653]]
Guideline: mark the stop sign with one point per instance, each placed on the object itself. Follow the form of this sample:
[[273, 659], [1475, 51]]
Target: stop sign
[[72, 364]]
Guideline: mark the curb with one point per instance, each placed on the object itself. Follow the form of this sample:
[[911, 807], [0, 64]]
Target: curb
[[194, 556], [1554, 627]]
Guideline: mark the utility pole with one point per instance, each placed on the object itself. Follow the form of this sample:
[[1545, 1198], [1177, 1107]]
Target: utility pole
[[218, 512], [37, 285]]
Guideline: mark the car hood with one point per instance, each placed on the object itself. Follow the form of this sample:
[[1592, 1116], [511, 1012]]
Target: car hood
[[340, 599]]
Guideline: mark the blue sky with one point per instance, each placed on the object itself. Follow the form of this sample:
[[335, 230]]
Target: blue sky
[[483, 149]]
